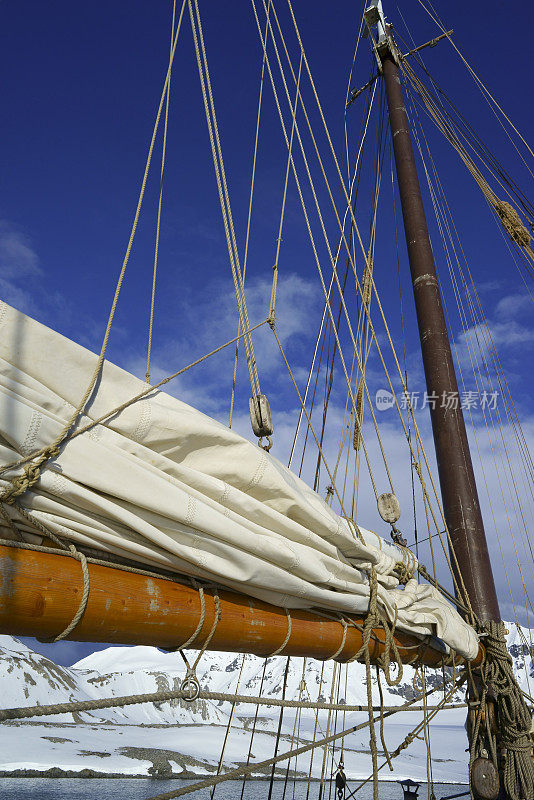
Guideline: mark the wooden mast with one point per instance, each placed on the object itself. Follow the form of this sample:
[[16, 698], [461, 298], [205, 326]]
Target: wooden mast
[[457, 479], [470, 556]]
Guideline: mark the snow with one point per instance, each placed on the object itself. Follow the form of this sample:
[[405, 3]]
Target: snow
[[186, 738]]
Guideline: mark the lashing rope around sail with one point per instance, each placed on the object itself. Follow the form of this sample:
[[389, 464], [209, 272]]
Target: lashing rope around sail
[[67, 549], [21, 483], [190, 685], [281, 649]]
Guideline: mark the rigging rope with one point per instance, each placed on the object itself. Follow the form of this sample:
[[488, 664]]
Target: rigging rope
[[259, 766], [76, 706], [249, 218], [436, 494], [160, 198], [211, 119]]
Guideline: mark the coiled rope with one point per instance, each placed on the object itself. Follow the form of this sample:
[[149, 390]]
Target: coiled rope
[[513, 716]]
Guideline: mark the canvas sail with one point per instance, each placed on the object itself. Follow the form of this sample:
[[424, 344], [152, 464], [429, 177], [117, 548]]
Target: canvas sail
[[164, 484]]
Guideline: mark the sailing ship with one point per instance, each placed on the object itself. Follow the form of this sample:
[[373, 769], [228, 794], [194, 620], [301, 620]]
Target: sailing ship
[[130, 517]]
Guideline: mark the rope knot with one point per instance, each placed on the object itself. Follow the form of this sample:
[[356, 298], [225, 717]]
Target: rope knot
[[29, 476], [403, 745]]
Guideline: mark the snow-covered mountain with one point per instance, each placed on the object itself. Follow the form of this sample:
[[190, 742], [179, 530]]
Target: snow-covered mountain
[[183, 738]]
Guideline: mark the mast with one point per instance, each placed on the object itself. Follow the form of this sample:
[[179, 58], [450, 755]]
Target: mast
[[501, 750], [457, 480]]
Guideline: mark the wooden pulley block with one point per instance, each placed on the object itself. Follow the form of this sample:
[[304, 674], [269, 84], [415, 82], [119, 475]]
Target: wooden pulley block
[[485, 779], [389, 508]]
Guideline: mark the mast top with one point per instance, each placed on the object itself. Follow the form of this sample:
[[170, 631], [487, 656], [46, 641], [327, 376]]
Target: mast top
[[377, 29], [374, 18]]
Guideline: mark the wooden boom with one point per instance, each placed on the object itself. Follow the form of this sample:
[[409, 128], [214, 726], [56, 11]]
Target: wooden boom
[[40, 593]]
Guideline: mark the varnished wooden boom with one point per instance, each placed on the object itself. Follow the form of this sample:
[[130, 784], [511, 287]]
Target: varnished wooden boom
[[40, 593]]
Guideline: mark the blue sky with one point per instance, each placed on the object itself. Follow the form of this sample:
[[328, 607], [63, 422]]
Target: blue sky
[[80, 91]]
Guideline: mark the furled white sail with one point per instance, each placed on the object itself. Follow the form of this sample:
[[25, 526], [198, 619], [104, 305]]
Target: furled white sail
[[165, 485]]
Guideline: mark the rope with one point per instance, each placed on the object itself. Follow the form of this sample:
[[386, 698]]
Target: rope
[[190, 686], [244, 770], [83, 602], [10, 522], [512, 223], [284, 197], [372, 620], [408, 739], [249, 218], [220, 175], [202, 617], [288, 635], [158, 222], [375, 619], [513, 716], [382, 734], [222, 697], [69, 549], [343, 639], [230, 721], [217, 604], [405, 570]]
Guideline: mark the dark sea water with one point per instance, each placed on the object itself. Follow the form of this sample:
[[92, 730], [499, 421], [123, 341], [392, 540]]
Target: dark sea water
[[143, 789]]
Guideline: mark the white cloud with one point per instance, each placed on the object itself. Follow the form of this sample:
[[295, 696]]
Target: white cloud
[[17, 257], [212, 321], [19, 265], [514, 305]]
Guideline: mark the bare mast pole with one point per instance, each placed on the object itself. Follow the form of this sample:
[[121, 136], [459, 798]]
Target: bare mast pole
[[457, 480]]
